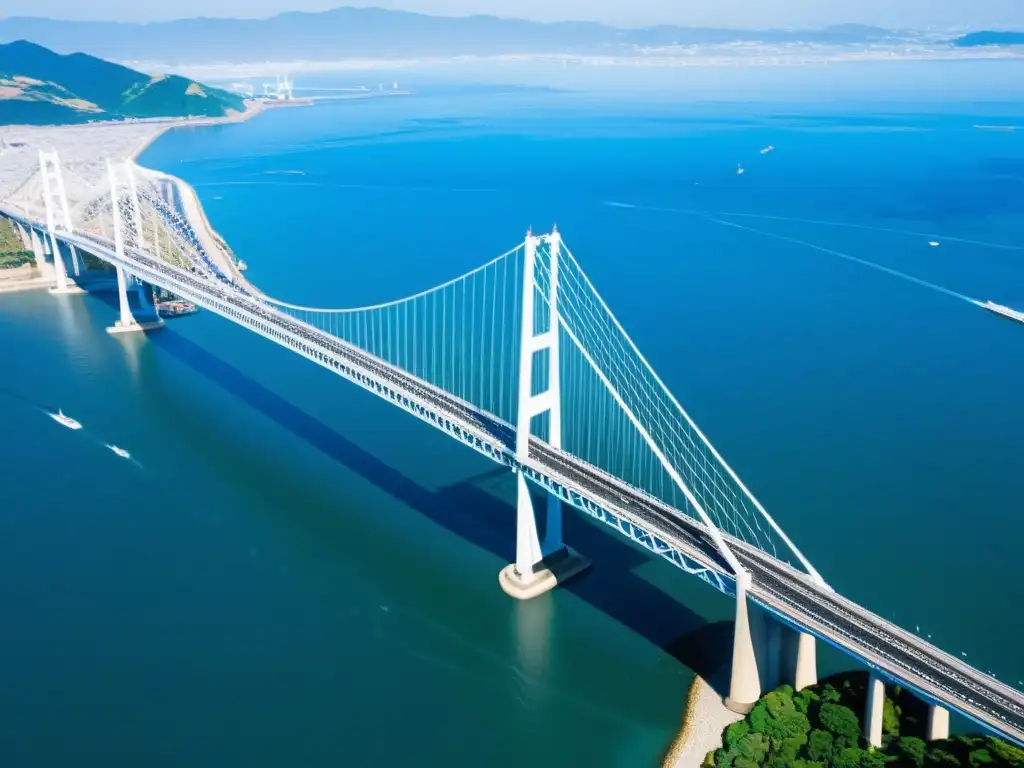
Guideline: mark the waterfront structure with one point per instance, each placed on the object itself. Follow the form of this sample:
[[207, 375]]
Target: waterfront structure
[[523, 361]]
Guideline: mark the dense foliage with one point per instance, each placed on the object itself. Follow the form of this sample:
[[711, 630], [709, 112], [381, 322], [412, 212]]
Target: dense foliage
[[820, 727], [40, 86], [12, 251]]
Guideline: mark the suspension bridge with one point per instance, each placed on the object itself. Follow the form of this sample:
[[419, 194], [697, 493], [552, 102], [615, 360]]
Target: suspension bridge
[[522, 361]]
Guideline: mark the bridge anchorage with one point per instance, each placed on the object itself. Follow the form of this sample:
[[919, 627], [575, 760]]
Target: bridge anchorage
[[522, 360]]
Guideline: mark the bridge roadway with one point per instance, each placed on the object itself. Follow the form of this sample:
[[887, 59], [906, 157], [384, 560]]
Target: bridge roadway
[[789, 594]]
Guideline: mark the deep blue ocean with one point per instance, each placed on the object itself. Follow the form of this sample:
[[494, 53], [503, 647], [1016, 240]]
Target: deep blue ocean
[[293, 572]]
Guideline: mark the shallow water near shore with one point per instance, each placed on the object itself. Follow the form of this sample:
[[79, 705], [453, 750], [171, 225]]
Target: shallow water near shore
[[296, 572]]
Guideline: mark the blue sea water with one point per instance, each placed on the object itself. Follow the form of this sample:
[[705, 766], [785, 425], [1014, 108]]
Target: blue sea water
[[292, 572]]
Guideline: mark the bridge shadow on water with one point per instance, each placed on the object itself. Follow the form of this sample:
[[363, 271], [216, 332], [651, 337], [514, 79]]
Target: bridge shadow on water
[[476, 515]]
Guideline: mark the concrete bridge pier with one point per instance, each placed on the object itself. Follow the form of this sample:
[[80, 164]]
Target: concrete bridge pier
[[65, 285], [35, 244], [745, 681], [799, 662], [805, 673], [127, 323], [938, 723], [766, 654], [541, 564], [874, 708]]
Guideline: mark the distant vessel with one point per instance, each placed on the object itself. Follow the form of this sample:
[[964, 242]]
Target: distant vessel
[[66, 421], [767, 149], [999, 309], [739, 170], [242, 266], [933, 243], [120, 451]]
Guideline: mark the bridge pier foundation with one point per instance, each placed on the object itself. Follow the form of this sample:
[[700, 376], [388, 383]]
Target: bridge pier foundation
[[41, 247], [875, 706], [745, 682], [938, 723], [539, 567], [127, 323]]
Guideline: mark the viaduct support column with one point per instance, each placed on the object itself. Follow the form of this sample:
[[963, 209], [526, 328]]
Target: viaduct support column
[[745, 685], [805, 670], [540, 565], [938, 723], [874, 708]]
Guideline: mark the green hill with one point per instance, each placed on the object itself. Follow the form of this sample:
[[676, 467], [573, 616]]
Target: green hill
[[38, 86]]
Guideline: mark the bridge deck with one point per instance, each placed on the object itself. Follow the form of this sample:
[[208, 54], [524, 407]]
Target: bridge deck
[[789, 594]]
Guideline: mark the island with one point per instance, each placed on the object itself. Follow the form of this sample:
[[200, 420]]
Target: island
[[821, 727]]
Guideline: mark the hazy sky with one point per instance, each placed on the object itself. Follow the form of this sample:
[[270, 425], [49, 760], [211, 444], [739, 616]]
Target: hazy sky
[[733, 13]]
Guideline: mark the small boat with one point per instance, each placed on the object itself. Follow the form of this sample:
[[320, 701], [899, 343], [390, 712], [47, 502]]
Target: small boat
[[767, 150], [739, 170], [1001, 309], [933, 243], [120, 451], [63, 420]]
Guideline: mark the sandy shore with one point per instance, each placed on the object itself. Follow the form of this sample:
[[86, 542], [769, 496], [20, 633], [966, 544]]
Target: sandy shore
[[705, 719], [23, 278]]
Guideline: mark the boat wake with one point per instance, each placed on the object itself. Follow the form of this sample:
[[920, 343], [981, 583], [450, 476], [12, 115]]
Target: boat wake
[[934, 237], [848, 257]]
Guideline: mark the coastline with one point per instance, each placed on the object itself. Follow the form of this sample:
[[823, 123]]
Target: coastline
[[704, 720], [83, 151], [213, 243]]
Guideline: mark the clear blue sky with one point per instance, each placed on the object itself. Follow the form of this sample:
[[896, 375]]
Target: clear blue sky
[[733, 13]]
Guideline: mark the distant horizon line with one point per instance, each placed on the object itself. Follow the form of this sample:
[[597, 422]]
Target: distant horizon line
[[946, 29]]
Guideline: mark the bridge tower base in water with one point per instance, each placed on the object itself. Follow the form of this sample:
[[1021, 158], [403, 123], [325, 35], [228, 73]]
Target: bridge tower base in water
[[540, 564], [126, 223]]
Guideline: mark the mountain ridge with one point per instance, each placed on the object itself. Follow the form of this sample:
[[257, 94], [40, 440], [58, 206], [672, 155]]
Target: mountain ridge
[[347, 32], [40, 86]]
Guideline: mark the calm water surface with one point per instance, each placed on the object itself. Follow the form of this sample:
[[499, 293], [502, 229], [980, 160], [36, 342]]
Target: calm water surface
[[292, 572]]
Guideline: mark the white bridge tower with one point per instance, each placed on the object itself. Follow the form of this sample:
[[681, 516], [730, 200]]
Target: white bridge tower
[[127, 223], [540, 563], [58, 219]]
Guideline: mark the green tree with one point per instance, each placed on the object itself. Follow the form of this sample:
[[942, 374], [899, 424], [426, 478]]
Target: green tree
[[802, 701], [939, 756], [1005, 751], [830, 694], [980, 757], [850, 757], [890, 720], [735, 732], [842, 723], [911, 750], [820, 746], [753, 746]]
